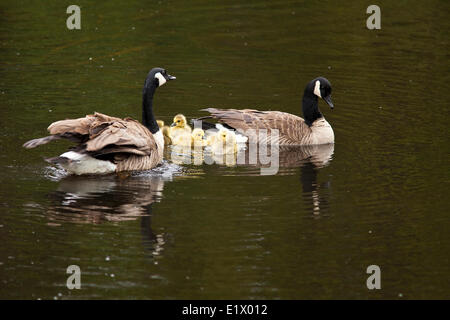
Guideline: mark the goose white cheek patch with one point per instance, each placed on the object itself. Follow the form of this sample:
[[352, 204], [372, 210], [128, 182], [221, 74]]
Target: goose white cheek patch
[[317, 89], [161, 78]]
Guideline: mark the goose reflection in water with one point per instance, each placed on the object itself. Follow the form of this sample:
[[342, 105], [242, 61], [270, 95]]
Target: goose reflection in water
[[108, 198], [92, 199], [310, 159], [287, 157]]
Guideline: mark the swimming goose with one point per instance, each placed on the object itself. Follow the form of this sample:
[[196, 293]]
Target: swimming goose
[[293, 130], [108, 144], [179, 126]]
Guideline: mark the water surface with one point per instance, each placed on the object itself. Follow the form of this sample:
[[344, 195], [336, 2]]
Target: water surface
[[223, 231]]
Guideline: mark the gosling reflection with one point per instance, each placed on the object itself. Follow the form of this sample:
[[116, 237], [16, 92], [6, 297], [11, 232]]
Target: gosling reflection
[[253, 156]]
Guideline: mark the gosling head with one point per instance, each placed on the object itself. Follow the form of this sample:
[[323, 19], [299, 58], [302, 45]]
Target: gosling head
[[157, 77], [166, 131], [321, 87], [160, 123], [198, 134], [179, 121], [227, 136], [223, 134]]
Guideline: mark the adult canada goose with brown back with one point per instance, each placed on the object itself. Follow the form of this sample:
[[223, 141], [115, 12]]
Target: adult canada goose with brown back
[[292, 130], [107, 144]]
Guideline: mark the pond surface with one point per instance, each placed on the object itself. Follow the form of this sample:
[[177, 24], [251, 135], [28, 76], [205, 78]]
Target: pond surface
[[379, 196]]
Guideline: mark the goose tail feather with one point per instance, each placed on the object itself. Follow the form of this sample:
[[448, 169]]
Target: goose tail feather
[[58, 160], [37, 142]]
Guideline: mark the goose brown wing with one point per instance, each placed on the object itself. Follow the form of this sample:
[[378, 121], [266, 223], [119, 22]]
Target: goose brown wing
[[76, 130], [103, 134], [292, 129], [121, 136]]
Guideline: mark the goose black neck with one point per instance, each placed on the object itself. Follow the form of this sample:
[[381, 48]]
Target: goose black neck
[[311, 110], [148, 118]]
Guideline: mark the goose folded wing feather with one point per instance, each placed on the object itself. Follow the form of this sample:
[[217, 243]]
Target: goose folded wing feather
[[120, 135]]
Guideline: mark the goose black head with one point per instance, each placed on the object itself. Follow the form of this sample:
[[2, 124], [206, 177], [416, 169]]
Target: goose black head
[[322, 89], [158, 76]]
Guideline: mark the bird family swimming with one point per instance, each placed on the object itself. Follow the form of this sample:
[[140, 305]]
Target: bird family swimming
[[107, 144]]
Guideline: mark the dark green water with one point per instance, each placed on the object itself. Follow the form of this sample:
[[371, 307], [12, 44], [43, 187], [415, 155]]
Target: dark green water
[[225, 232]]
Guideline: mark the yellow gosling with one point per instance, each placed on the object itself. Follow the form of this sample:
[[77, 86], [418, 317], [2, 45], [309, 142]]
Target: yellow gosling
[[224, 142], [182, 139], [195, 139], [198, 138], [179, 126], [165, 131]]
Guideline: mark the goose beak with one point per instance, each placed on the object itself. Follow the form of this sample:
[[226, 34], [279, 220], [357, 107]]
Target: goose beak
[[169, 77], [173, 124], [328, 101]]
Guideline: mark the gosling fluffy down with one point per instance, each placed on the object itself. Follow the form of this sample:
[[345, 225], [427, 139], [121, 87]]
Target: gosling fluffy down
[[195, 139], [165, 131], [179, 126], [223, 142]]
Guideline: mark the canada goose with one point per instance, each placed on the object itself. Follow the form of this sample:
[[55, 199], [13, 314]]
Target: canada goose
[[195, 139], [293, 130], [179, 126], [165, 131], [224, 142], [107, 144]]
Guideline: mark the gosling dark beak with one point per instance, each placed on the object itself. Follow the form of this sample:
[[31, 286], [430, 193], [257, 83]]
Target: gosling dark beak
[[328, 101], [169, 77], [173, 124]]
